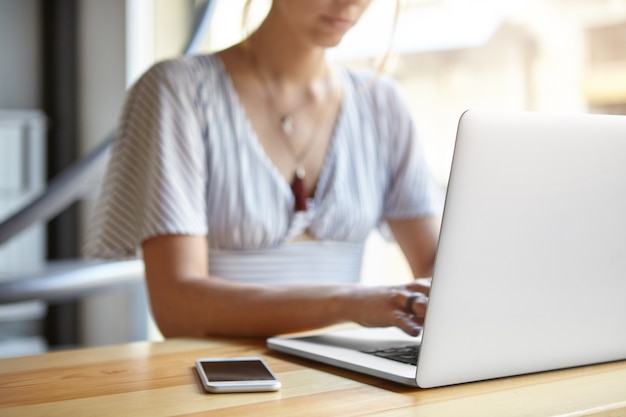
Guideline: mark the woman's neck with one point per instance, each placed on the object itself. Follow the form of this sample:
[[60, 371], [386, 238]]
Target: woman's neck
[[285, 58]]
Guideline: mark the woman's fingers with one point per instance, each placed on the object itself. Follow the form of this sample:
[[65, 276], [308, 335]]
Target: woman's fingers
[[416, 305], [410, 308], [421, 285], [402, 306], [406, 323]]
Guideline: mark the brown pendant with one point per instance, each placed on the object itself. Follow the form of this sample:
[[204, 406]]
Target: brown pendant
[[298, 189]]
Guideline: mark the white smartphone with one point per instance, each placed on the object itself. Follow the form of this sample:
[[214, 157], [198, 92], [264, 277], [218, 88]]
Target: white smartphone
[[221, 375]]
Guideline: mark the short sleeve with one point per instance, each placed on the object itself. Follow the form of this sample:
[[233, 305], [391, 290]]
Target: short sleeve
[[155, 181], [412, 190]]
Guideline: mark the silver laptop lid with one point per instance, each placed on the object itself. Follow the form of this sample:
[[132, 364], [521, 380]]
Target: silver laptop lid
[[530, 273]]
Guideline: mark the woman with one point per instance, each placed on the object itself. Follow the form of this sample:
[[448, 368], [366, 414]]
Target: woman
[[242, 173]]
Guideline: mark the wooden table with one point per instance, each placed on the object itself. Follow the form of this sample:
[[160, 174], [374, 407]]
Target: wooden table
[[159, 379]]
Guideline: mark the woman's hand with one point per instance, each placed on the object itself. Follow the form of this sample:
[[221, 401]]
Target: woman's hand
[[402, 306]]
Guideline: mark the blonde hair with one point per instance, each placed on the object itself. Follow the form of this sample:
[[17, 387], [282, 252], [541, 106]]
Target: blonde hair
[[385, 58], [245, 19]]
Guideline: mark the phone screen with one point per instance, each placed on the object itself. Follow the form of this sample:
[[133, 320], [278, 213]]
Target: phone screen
[[249, 374], [236, 370]]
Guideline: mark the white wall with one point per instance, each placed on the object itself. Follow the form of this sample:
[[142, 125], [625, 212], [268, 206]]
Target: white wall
[[20, 83], [118, 316], [102, 67]]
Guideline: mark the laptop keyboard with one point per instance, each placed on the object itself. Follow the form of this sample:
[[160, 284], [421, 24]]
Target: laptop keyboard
[[404, 354]]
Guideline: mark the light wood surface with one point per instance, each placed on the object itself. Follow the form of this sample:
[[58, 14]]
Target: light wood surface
[[159, 379]]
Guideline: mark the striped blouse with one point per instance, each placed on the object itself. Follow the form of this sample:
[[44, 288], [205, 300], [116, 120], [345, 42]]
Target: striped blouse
[[187, 161]]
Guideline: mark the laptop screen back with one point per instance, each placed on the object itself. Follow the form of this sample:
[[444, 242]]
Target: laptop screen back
[[530, 272]]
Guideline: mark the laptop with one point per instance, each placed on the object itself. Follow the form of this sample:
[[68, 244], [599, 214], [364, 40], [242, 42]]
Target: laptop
[[530, 272]]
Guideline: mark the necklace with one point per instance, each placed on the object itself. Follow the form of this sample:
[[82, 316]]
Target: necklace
[[286, 127], [286, 118]]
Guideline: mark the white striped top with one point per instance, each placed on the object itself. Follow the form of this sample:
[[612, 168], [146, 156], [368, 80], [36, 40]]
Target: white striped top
[[187, 161]]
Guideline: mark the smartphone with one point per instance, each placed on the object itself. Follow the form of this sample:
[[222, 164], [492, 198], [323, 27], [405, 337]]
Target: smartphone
[[219, 375]]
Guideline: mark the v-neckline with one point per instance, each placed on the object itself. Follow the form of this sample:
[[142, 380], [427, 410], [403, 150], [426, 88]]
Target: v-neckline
[[252, 139]]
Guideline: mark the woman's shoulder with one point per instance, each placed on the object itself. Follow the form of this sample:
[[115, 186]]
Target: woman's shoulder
[[374, 84], [375, 93], [192, 68]]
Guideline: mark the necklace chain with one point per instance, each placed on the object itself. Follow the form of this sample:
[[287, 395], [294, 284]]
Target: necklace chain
[[286, 121]]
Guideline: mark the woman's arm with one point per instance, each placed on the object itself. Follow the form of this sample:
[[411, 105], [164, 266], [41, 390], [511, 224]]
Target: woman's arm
[[186, 301], [418, 240]]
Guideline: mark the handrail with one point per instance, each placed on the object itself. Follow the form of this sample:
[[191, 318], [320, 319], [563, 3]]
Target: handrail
[[68, 279], [75, 181], [65, 188]]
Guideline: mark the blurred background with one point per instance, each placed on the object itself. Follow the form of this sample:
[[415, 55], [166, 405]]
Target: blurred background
[[65, 66]]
